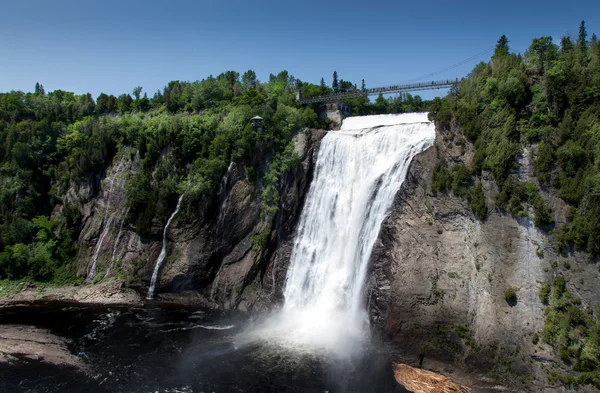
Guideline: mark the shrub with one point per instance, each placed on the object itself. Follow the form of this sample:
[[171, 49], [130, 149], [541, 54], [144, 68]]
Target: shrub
[[544, 293], [510, 295], [478, 204]]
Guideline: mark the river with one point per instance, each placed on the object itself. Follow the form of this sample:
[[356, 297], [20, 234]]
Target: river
[[158, 349]]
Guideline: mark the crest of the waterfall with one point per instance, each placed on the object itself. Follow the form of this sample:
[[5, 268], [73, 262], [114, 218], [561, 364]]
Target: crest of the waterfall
[[358, 172]]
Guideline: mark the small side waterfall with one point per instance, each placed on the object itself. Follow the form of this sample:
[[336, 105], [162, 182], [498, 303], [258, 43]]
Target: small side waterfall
[[163, 251], [92, 271], [114, 252]]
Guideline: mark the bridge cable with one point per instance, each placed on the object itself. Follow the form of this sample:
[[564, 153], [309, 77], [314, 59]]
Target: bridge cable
[[491, 48]]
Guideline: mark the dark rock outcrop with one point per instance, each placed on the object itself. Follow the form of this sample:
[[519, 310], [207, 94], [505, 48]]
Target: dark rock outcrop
[[211, 248]]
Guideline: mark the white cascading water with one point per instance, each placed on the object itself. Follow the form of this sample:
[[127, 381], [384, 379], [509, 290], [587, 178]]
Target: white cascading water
[[92, 273], [114, 251], [163, 251], [358, 172]]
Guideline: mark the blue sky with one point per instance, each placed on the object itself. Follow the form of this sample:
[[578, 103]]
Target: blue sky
[[112, 46]]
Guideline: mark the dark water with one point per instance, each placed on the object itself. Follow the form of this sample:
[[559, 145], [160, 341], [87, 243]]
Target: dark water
[[153, 349]]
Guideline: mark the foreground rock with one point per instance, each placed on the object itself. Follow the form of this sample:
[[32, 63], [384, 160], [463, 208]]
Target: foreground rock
[[418, 380], [19, 343], [110, 292]]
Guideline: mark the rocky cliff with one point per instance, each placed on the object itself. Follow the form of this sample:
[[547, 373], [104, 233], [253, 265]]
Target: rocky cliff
[[213, 255], [438, 280], [439, 277]]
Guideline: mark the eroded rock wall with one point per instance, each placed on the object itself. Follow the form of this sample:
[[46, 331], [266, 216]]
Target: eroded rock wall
[[439, 276], [211, 254]]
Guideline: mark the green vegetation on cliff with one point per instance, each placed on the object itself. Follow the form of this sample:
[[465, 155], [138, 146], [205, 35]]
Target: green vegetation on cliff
[[574, 330], [548, 98], [548, 102], [185, 135]]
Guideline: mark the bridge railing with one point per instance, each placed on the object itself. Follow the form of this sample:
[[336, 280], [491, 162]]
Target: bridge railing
[[377, 90]]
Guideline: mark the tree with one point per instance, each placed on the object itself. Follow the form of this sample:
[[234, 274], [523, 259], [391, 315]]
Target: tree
[[453, 95], [144, 103], [345, 85], [335, 84], [39, 89], [323, 84], [502, 46], [542, 50], [566, 44], [137, 91], [362, 85], [249, 80], [124, 103], [582, 38], [381, 104]]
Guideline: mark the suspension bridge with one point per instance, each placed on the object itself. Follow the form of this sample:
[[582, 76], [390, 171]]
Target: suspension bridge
[[407, 87], [380, 90]]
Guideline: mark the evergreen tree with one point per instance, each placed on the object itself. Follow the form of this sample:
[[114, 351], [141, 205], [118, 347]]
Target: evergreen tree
[[323, 83], [566, 44], [39, 89], [362, 86], [502, 46], [582, 38], [335, 84], [544, 49], [249, 80]]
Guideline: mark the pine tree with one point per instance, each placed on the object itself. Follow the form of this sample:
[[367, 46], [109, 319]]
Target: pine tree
[[323, 84], [335, 84], [582, 37], [502, 46], [362, 86], [39, 89], [582, 40]]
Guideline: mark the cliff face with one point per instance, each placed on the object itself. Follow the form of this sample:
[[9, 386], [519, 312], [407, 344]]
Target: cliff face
[[211, 256], [439, 276]]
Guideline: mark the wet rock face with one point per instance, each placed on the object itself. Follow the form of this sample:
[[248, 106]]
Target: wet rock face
[[439, 275], [210, 250]]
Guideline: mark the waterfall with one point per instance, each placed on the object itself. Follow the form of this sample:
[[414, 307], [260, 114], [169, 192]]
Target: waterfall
[[358, 172], [163, 251], [114, 252], [92, 272]]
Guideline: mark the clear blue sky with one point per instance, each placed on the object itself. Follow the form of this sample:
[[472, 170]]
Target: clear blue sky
[[112, 46]]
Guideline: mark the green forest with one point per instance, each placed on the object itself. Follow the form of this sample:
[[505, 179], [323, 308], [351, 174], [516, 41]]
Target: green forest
[[185, 135], [547, 98]]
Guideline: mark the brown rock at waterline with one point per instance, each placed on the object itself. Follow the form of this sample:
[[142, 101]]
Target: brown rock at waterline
[[418, 380], [28, 343]]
